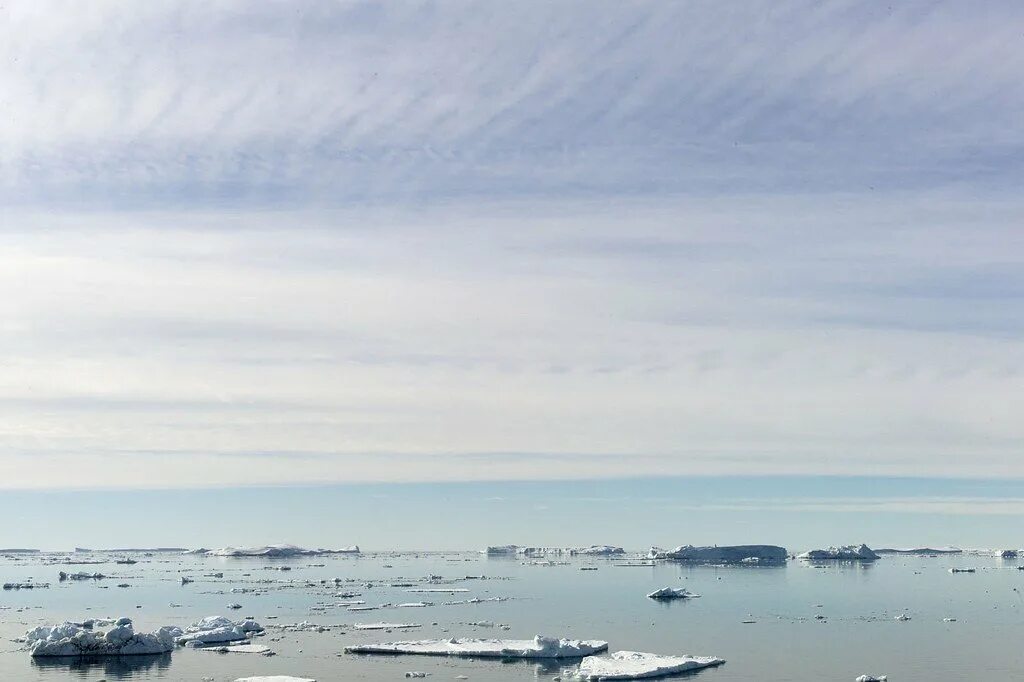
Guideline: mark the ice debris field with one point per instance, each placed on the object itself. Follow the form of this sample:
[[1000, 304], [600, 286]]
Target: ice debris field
[[295, 612]]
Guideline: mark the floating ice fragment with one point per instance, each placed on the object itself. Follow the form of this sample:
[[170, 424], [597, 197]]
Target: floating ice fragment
[[385, 626], [845, 553], [672, 593], [635, 665], [72, 639], [538, 647]]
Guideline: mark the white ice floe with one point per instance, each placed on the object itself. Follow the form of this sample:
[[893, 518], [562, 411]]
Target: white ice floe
[[963, 570], [385, 626], [672, 593], [80, 576], [278, 551], [538, 647], [845, 553], [73, 639], [902, 617], [636, 665], [217, 630], [437, 590], [240, 649], [275, 678], [724, 554], [414, 605], [871, 678]]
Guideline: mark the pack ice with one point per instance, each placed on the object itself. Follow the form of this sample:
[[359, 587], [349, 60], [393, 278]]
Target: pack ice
[[73, 639], [538, 647], [636, 665]]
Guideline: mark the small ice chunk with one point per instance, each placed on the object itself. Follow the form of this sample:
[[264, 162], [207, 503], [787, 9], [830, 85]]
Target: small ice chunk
[[635, 665], [871, 678]]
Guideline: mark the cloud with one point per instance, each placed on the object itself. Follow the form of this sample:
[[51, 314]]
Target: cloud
[[355, 241], [190, 102]]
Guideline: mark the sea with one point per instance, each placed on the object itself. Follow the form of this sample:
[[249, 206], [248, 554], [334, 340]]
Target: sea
[[906, 617]]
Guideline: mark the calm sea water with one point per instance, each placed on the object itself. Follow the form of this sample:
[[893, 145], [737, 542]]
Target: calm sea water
[[859, 633]]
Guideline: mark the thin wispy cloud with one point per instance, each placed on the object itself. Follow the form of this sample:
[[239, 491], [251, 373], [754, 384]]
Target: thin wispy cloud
[[347, 241]]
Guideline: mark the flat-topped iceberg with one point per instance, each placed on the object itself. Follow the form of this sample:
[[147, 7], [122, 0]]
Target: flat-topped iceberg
[[217, 630], [278, 551], [73, 639], [845, 553], [672, 593], [636, 665], [501, 550], [599, 550], [538, 647], [920, 550], [766, 555]]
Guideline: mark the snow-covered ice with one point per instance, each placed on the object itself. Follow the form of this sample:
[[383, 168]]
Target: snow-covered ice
[[635, 665], [871, 678], [672, 593], [72, 639], [217, 630], [844, 553], [275, 678], [538, 647], [278, 551], [385, 626]]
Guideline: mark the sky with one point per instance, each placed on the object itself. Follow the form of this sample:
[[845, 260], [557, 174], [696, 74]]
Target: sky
[[305, 244]]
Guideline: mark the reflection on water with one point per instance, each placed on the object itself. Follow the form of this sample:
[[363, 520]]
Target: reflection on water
[[113, 667]]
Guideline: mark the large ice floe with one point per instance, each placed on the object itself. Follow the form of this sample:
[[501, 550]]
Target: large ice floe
[[758, 555], [278, 551], [217, 630], [672, 593], [538, 647], [845, 553], [637, 665], [79, 639], [275, 678]]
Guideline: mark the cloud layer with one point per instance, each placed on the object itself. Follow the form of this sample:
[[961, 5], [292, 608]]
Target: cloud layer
[[343, 242]]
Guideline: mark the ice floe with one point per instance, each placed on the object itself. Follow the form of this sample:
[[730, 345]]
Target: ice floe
[[217, 630], [385, 626], [636, 665], [845, 553], [538, 647], [241, 649], [73, 639], [871, 678], [275, 678], [672, 593]]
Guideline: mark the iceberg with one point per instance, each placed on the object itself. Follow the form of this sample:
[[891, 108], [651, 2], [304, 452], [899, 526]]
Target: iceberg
[[672, 593], [636, 665], [217, 630], [845, 553], [72, 639], [538, 647], [278, 551], [501, 550], [920, 550], [599, 550], [765, 555]]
